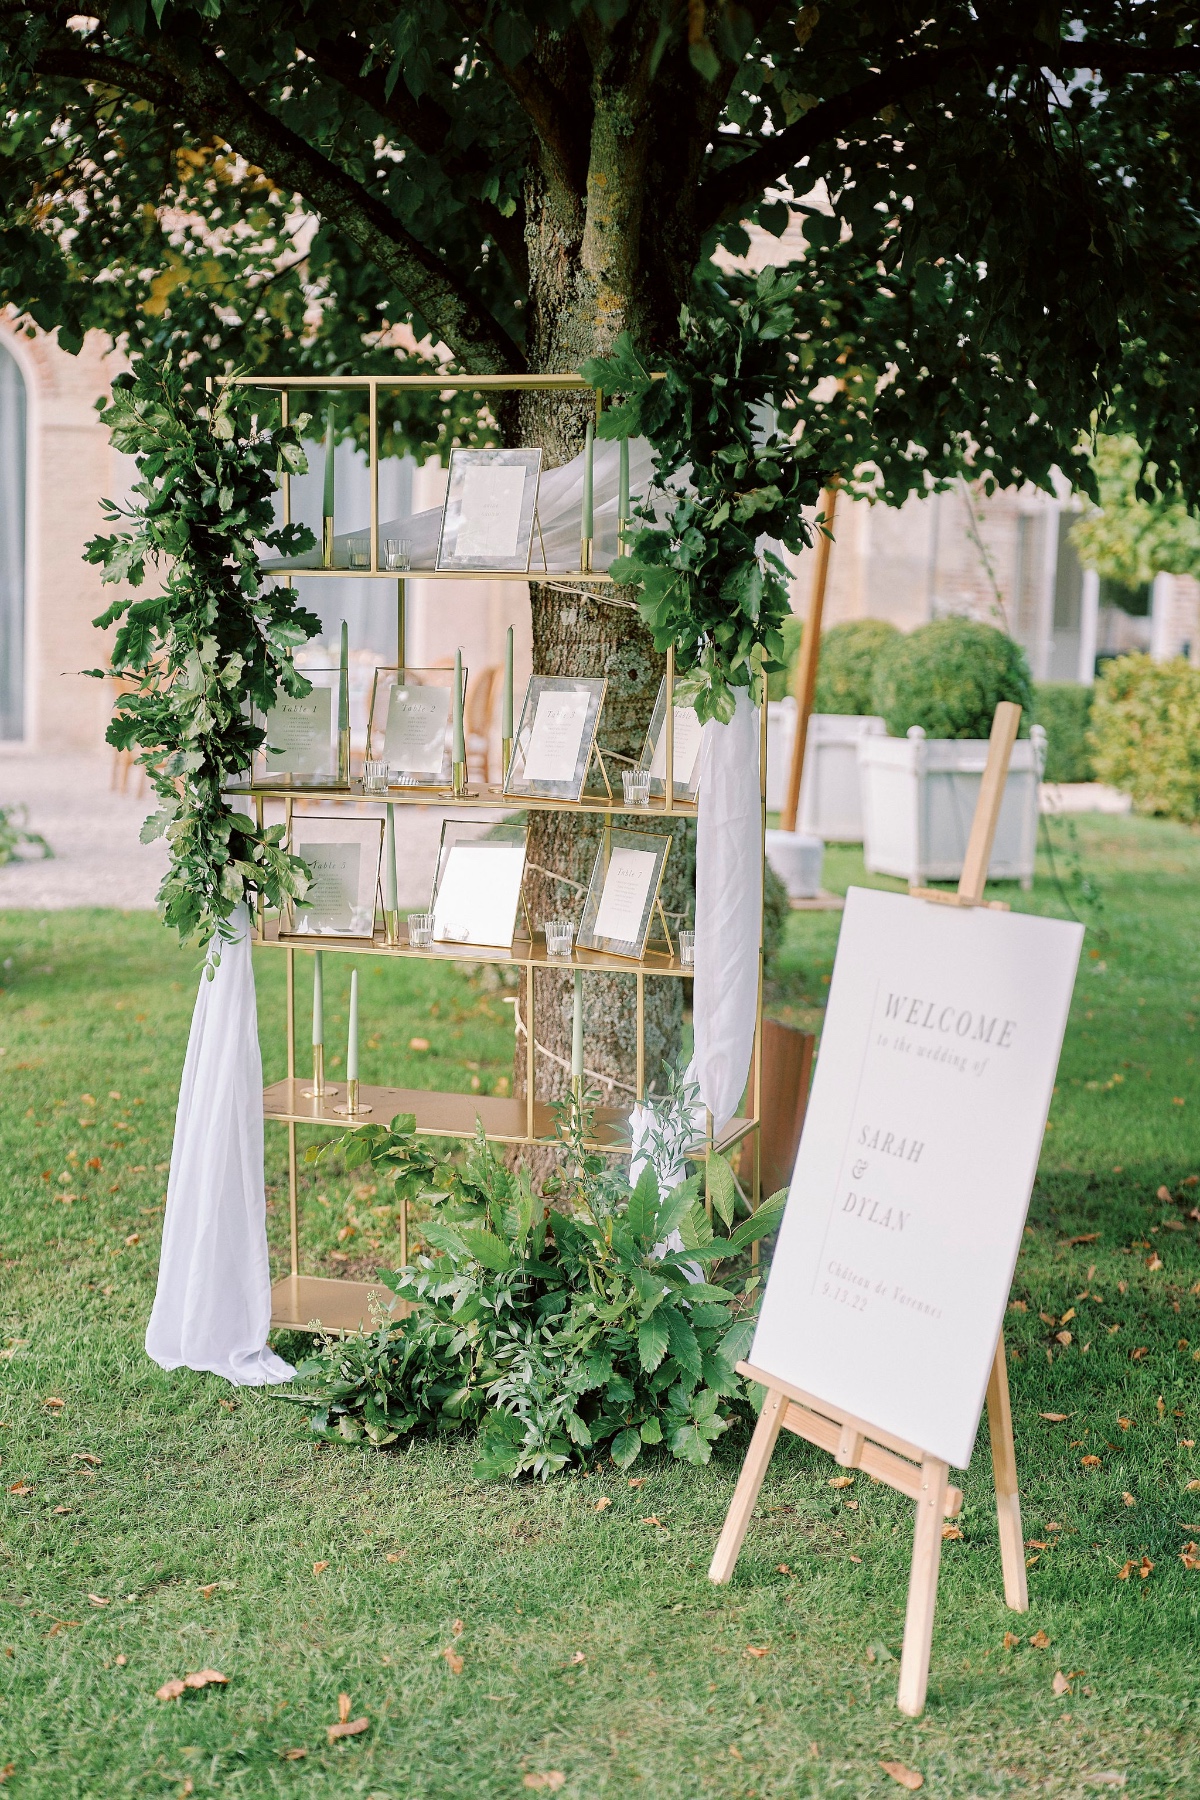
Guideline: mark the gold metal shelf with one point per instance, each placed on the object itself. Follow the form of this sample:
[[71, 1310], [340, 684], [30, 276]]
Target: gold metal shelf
[[522, 954], [432, 383], [504, 1119], [489, 799], [298, 1302], [596, 577]]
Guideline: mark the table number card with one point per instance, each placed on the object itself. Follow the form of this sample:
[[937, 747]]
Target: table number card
[[491, 504], [343, 861], [299, 734], [478, 891], [559, 722], [553, 748], [332, 893], [688, 733], [896, 1252], [414, 739], [622, 892]]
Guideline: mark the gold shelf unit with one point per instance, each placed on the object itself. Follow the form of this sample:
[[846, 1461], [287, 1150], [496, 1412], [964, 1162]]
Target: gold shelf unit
[[299, 1301]]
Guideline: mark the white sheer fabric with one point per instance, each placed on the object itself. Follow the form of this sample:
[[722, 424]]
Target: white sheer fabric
[[728, 910], [212, 1310], [560, 502]]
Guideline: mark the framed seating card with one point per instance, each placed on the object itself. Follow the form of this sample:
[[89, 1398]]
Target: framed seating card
[[556, 737], [491, 504], [410, 724], [344, 856], [685, 748], [477, 885], [300, 748], [623, 892]]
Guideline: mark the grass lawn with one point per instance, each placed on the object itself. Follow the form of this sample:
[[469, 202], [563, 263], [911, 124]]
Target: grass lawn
[[153, 1524]]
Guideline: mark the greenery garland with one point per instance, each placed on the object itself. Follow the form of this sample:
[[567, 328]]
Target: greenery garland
[[212, 647]]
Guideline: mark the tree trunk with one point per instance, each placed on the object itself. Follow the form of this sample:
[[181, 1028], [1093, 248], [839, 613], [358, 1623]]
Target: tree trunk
[[586, 287]]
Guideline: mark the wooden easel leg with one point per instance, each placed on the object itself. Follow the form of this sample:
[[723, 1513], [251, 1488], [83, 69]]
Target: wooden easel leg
[[1004, 1468], [737, 1519], [922, 1588]]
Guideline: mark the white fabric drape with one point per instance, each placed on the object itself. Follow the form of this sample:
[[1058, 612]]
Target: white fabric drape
[[728, 909], [212, 1310]]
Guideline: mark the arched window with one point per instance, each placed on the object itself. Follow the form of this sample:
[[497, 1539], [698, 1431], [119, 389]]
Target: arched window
[[12, 548]]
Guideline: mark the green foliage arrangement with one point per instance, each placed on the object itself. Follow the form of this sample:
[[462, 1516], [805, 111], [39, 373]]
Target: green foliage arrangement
[[1145, 734], [1064, 708], [949, 677], [849, 654], [567, 1334], [210, 644]]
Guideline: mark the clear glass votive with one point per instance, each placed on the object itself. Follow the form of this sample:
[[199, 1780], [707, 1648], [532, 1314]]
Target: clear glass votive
[[559, 936], [636, 783], [397, 553], [360, 555], [687, 949], [375, 777], [420, 930]]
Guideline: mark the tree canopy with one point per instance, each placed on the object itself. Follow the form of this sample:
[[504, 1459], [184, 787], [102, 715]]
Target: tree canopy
[[999, 203]]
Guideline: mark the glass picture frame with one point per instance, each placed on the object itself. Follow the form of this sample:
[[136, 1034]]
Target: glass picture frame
[[410, 725], [490, 510], [556, 738], [685, 749], [478, 884], [623, 893], [344, 856], [300, 749]]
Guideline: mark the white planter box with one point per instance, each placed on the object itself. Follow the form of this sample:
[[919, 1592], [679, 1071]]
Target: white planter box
[[918, 800], [830, 804]]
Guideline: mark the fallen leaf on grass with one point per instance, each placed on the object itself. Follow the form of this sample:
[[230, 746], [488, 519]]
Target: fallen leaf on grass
[[549, 1778], [454, 1661], [782, 1569], [841, 1481], [63, 1625], [457, 1628], [6, 1771], [418, 1043], [347, 1728], [1124, 1423], [652, 1519], [1011, 1640], [949, 1533], [396, 1555], [1191, 1487], [1189, 1556], [1039, 1640], [911, 1779], [86, 1456], [758, 1649], [99, 1600], [54, 1402], [1087, 1237], [319, 1568], [1128, 1499], [293, 1755], [60, 1509], [21, 1488], [171, 1690], [1090, 1462], [122, 1660], [1064, 1338], [602, 1502], [1067, 1316], [209, 1589], [1128, 1568], [1060, 1684], [1055, 1418], [635, 1481], [1137, 1355], [135, 1237]]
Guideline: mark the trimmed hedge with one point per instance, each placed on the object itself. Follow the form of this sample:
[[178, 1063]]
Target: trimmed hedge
[[1145, 734], [949, 677], [1064, 709], [849, 654]]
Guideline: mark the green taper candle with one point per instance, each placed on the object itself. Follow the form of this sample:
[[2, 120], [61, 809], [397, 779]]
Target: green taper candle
[[577, 1030], [389, 862], [352, 1037], [318, 1036], [344, 681], [327, 501], [587, 480], [460, 742], [506, 716], [623, 489]]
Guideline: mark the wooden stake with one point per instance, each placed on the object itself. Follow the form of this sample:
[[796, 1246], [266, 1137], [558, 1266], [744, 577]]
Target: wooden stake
[[737, 1519], [1004, 1470], [987, 808], [922, 1589], [806, 672]]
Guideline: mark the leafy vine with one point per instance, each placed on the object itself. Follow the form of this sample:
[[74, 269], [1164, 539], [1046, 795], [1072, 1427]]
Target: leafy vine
[[211, 647]]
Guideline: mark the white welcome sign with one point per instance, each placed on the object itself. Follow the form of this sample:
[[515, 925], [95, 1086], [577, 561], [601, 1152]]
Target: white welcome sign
[[896, 1251]]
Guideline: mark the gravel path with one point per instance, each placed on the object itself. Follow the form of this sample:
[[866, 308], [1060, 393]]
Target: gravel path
[[99, 859]]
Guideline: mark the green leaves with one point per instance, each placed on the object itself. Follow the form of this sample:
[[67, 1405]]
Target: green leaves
[[652, 1341]]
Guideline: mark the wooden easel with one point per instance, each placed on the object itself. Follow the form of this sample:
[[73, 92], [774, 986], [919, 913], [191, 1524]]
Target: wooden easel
[[854, 1443]]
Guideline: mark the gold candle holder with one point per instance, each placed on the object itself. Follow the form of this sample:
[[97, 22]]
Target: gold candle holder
[[460, 778], [327, 543], [318, 1090], [352, 1107], [585, 556], [505, 756], [391, 928], [344, 757]]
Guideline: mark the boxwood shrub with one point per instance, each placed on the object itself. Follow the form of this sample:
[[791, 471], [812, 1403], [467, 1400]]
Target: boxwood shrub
[[849, 654], [949, 677], [1064, 709], [1145, 734]]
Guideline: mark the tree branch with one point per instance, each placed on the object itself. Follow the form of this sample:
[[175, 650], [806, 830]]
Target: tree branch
[[777, 156], [565, 144], [202, 91]]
